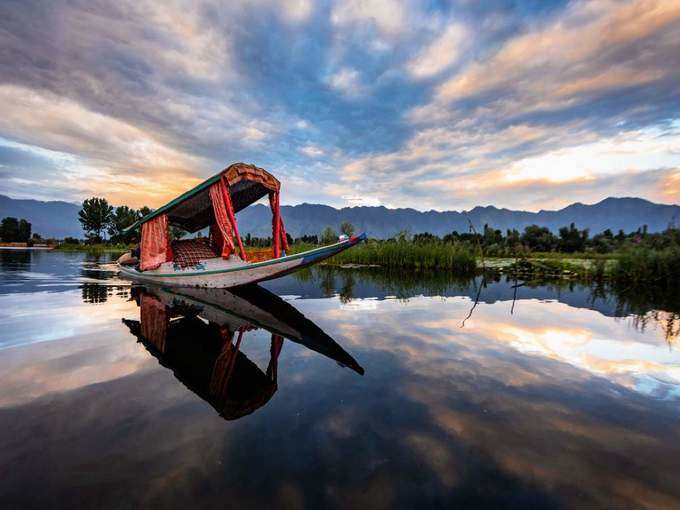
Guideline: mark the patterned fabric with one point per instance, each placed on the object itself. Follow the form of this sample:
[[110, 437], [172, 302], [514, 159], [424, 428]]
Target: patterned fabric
[[188, 252], [155, 243], [242, 172], [260, 254]]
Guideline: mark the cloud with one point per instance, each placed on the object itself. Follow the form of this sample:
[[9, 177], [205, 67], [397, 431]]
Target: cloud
[[388, 16], [442, 53], [312, 151], [590, 49], [408, 104], [347, 81]]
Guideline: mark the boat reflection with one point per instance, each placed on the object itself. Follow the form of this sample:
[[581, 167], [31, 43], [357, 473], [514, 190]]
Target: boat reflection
[[198, 333]]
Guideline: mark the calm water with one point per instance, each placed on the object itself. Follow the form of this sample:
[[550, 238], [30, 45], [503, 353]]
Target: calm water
[[535, 397]]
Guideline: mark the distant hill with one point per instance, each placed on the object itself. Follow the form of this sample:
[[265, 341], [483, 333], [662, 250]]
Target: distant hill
[[49, 219], [614, 213], [60, 219]]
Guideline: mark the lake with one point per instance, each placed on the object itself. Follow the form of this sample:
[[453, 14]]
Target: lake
[[333, 388]]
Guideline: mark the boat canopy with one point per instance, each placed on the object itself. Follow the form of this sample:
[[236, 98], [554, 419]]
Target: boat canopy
[[213, 203], [193, 210]]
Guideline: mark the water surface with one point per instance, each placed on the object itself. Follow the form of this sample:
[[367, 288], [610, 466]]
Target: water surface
[[347, 389]]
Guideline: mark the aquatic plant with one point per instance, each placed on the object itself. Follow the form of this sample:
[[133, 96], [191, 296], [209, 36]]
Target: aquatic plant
[[417, 256]]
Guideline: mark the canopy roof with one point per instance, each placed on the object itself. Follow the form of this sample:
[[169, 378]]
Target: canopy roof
[[193, 211]]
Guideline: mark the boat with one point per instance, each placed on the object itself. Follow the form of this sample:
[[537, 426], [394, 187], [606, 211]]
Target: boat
[[199, 334], [219, 260]]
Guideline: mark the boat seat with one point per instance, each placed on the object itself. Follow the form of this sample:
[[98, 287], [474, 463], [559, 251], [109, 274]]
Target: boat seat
[[260, 254], [188, 252]]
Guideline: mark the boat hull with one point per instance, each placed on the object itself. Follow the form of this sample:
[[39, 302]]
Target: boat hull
[[240, 275]]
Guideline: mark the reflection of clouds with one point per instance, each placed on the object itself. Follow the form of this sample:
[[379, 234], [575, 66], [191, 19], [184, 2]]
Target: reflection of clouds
[[72, 345], [582, 338], [503, 411], [31, 372], [24, 322]]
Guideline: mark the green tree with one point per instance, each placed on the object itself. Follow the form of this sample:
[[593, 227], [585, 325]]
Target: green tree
[[95, 216], [9, 229], [572, 239], [347, 228], [121, 218], [538, 238], [24, 231], [329, 236]]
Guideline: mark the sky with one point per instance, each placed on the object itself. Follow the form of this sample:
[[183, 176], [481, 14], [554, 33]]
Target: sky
[[432, 105]]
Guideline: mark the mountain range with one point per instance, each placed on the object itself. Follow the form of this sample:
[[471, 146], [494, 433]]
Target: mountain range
[[60, 219]]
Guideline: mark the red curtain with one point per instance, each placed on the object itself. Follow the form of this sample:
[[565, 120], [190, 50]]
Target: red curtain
[[154, 321], [278, 230], [232, 217], [155, 243], [225, 226], [222, 217]]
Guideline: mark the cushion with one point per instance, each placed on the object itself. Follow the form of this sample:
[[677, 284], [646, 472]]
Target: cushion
[[188, 252]]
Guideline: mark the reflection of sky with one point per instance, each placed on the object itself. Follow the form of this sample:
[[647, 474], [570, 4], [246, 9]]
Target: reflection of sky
[[551, 406], [582, 338]]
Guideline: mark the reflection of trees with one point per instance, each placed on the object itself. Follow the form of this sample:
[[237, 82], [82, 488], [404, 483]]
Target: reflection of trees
[[327, 282], [97, 293], [668, 322], [646, 304], [15, 260], [650, 305], [402, 284], [347, 289]]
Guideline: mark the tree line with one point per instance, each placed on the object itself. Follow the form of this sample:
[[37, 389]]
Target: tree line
[[14, 230], [569, 239], [98, 218]]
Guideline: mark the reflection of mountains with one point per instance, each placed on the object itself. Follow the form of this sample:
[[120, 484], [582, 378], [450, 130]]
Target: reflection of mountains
[[198, 333]]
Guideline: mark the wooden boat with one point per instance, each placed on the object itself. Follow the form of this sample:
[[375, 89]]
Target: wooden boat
[[199, 333], [219, 261]]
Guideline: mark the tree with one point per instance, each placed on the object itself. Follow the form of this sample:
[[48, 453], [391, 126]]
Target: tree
[[347, 228], [492, 236], [9, 229], [538, 238], [512, 238], [122, 218], [572, 239], [328, 236], [13, 230], [95, 217], [24, 231]]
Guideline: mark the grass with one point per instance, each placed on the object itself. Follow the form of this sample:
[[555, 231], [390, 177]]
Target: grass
[[94, 248], [644, 265], [634, 265], [406, 255]]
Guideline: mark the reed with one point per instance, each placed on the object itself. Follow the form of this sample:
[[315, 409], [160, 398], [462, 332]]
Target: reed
[[413, 256], [662, 267], [95, 249]]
